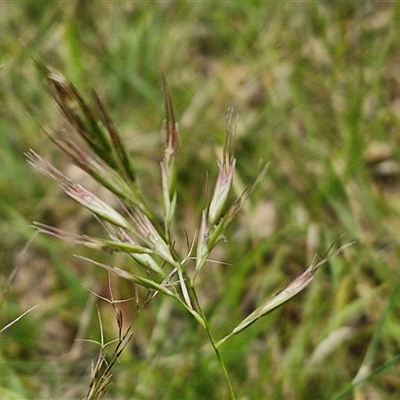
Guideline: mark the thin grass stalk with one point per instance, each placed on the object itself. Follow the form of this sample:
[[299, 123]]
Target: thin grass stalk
[[214, 345]]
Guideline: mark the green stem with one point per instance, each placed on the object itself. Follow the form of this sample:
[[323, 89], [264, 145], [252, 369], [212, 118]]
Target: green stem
[[198, 314], [221, 363], [213, 343]]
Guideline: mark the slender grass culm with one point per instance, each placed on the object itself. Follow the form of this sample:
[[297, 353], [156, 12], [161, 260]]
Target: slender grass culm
[[94, 145]]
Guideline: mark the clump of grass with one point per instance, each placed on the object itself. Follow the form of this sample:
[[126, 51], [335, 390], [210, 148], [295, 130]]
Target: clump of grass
[[139, 229]]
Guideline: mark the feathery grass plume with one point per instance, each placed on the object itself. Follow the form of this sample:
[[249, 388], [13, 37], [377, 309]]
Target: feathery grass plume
[[95, 146], [93, 143]]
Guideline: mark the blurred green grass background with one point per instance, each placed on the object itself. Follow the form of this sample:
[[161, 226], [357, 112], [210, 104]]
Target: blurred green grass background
[[317, 92]]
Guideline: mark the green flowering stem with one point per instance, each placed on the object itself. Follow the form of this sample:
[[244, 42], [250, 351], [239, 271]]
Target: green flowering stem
[[168, 168], [275, 301]]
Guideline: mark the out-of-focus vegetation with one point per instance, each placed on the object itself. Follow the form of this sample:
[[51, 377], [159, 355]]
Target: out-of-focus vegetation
[[317, 92]]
